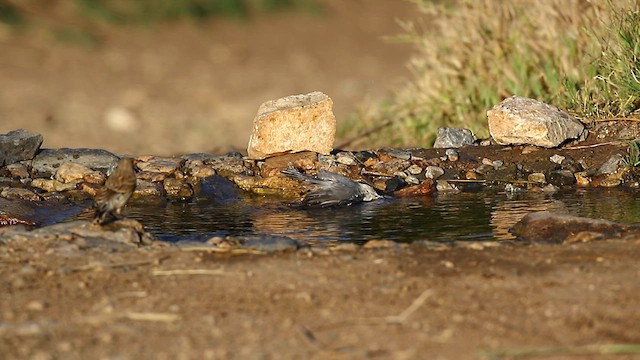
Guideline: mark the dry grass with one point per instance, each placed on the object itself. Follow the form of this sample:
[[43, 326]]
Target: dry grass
[[574, 54]]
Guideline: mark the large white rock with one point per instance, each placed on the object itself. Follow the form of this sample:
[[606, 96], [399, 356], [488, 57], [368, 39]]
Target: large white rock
[[519, 120], [293, 123]]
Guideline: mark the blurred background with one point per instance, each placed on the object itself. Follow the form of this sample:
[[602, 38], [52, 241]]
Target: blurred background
[[177, 76]]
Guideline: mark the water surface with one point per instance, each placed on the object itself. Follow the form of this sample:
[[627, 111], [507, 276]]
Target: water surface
[[470, 216]]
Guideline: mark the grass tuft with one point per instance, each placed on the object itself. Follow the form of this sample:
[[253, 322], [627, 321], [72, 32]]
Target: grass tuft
[[474, 53]]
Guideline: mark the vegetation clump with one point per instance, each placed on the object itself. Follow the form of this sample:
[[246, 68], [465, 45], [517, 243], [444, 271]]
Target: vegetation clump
[[581, 56]]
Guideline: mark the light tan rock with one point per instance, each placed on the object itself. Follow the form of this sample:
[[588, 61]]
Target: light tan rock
[[52, 185], [518, 120], [293, 123], [70, 171], [537, 178]]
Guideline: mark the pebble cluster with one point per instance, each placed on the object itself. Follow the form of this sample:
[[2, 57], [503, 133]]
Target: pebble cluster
[[78, 173]]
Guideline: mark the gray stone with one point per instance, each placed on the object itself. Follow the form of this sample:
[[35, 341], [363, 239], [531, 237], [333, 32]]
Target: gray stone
[[121, 234], [611, 166], [47, 162], [292, 124], [453, 138], [18, 145], [518, 120]]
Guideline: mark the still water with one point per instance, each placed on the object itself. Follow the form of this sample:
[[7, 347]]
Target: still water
[[470, 216]]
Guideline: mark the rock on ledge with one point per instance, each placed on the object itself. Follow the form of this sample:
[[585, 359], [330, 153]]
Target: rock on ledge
[[18, 145], [518, 121], [293, 123]]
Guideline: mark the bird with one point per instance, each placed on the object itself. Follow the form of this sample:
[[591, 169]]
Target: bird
[[329, 189], [117, 190]]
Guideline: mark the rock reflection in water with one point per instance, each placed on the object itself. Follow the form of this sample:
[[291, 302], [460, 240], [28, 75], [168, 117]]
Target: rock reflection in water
[[507, 213], [470, 216]]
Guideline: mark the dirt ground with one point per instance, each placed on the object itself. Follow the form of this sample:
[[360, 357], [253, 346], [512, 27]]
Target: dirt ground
[[185, 87], [412, 303], [176, 91]]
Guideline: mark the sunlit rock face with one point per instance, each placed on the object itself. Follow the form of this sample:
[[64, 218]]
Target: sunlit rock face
[[518, 120], [293, 123]]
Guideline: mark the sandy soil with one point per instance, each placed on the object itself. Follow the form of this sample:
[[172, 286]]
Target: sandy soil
[[181, 88], [387, 303]]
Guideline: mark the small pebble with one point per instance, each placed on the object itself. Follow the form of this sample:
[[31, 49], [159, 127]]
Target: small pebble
[[529, 149], [345, 158], [557, 159], [452, 155], [471, 175], [443, 185], [35, 305], [412, 180], [537, 178], [433, 172], [484, 169], [414, 169], [510, 188], [582, 179]]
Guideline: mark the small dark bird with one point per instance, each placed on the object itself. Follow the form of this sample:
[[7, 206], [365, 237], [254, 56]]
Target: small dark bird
[[117, 190], [331, 189]]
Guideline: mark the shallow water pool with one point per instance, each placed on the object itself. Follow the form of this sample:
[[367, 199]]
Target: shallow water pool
[[466, 216]]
